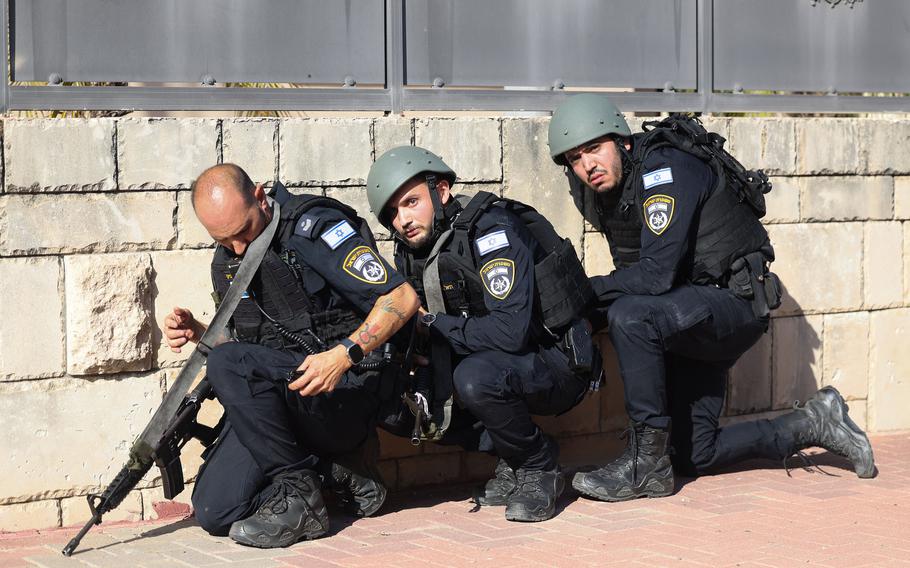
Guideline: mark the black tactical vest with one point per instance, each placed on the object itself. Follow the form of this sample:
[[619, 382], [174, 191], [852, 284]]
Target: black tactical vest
[[728, 227], [277, 305]]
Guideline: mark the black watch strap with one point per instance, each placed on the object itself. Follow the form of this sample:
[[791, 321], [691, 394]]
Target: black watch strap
[[355, 352]]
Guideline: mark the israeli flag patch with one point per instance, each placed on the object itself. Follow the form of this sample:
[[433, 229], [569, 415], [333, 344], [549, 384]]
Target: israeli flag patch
[[493, 241], [338, 234], [658, 177]]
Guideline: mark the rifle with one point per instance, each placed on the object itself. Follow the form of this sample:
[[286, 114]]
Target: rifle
[[166, 455], [158, 442]]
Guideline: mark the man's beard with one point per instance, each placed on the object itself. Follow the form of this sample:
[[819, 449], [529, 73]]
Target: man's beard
[[421, 241]]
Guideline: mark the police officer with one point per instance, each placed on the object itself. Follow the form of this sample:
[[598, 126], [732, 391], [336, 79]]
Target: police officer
[[505, 366], [678, 240], [299, 397]]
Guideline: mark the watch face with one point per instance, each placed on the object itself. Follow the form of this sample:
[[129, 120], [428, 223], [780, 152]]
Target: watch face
[[428, 319], [355, 352]]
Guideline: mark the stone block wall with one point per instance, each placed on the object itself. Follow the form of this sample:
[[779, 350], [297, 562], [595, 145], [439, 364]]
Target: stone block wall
[[98, 242]]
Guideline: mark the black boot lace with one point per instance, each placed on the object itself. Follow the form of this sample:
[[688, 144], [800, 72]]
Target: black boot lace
[[630, 434]]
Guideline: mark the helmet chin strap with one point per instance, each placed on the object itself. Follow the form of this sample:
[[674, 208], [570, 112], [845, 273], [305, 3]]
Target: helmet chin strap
[[438, 211]]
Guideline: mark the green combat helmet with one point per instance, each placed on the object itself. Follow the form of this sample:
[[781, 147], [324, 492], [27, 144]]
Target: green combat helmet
[[392, 169], [580, 119]]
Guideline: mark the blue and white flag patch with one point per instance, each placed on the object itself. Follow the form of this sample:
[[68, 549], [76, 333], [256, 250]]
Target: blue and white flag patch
[[658, 177], [493, 241], [338, 234]]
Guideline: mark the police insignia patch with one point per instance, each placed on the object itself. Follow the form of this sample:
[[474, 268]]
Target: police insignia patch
[[658, 212], [364, 265], [498, 276], [305, 226]]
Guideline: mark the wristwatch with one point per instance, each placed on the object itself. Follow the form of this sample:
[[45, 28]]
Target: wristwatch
[[355, 352], [427, 320]]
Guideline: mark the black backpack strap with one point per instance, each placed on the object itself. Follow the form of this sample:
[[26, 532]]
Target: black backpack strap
[[478, 204]]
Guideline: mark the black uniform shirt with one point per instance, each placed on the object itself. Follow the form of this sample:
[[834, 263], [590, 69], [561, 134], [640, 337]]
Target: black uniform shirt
[[339, 266], [676, 186], [504, 251]]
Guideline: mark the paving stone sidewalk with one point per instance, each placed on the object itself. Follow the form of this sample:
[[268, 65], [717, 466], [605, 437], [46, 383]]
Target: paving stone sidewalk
[[749, 517]]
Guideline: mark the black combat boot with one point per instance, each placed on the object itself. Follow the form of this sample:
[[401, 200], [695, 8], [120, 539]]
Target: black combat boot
[[356, 480], [642, 470], [497, 490], [822, 421], [294, 512], [536, 490]]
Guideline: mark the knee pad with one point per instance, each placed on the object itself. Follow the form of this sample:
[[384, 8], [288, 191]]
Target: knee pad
[[476, 380]]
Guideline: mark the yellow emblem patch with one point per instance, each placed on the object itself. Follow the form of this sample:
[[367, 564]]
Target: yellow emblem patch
[[498, 275], [364, 265], [659, 212]]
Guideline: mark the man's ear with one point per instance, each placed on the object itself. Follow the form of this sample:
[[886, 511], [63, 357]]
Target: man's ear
[[259, 195], [443, 189]]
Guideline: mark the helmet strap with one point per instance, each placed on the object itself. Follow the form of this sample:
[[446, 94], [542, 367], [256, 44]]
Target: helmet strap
[[438, 212]]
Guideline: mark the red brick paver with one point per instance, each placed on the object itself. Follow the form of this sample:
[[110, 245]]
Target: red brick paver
[[750, 517]]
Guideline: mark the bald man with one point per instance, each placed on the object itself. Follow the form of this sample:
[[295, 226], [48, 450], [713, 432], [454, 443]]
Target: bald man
[[295, 373]]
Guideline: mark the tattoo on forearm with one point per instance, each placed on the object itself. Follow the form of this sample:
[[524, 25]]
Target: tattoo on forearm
[[389, 307], [367, 334]]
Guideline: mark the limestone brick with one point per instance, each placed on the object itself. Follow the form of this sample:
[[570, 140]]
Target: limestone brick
[[889, 370], [797, 359], [397, 446], [597, 260], [391, 132], [612, 398], [59, 155], [325, 151], [820, 266], [478, 465], [906, 263], [252, 144], [29, 516], [108, 313], [902, 197], [845, 198], [31, 309], [533, 178], [846, 349], [829, 146], [75, 511], [387, 251], [470, 146], [782, 201], [388, 470], [356, 197], [43, 224], [590, 449], [155, 506], [750, 380], [583, 419], [887, 146], [64, 437], [720, 125], [882, 271], [766, 144], [190, 232], [165, 153], [429, 470], [181, 278], [858, 412]]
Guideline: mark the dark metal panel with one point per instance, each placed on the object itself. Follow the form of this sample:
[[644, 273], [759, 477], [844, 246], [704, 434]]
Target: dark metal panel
[[585, 43], [791, 45], [4, 42], [196, 98], [295, 41]]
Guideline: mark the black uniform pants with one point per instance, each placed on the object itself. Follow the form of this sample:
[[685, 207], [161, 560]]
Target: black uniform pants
[[502, 390], [271, 429], [674, 352]]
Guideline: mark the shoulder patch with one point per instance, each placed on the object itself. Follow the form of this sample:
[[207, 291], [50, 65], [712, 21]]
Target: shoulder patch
[[657, 177], [305, 225], [492, 241], [659, 212], [498, 275], [364, 265], [339, 233]]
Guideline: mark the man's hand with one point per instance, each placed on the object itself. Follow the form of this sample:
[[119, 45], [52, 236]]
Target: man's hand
[[321, 372], [181, 327]]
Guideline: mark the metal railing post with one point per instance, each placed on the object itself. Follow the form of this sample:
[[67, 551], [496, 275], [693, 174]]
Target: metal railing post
[[705, 42], [395, 52]]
